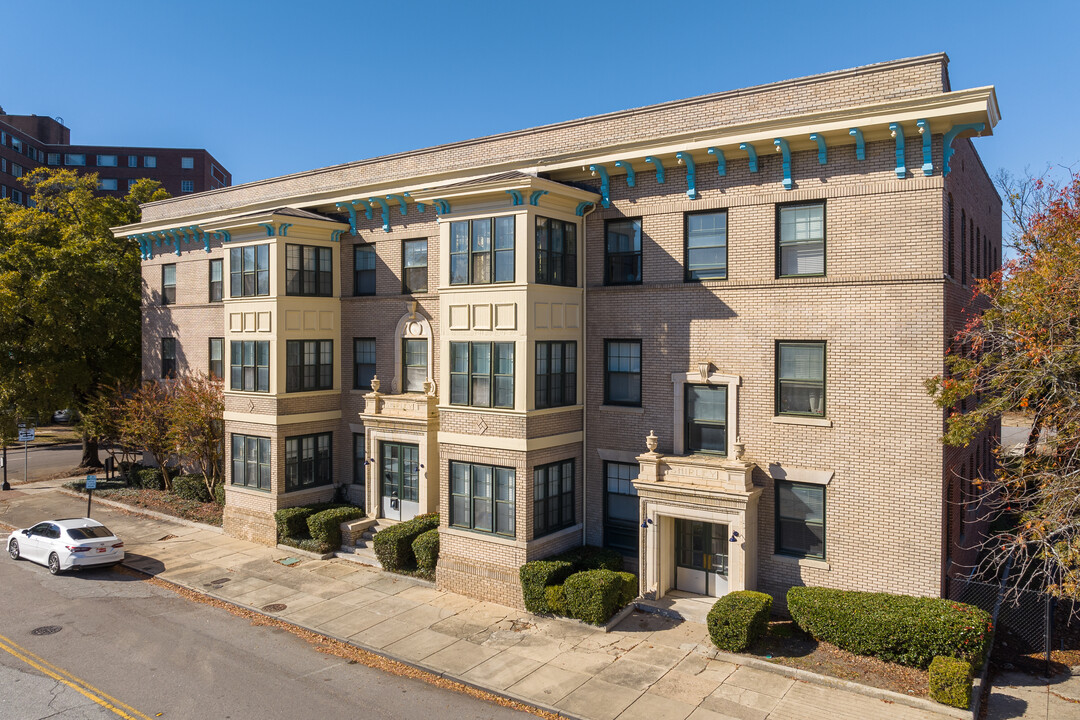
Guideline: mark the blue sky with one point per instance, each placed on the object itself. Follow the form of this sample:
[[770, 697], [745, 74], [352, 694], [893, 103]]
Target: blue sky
[[276, 87]]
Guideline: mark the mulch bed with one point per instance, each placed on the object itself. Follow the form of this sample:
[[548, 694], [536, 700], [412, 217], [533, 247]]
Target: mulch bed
[[167, 503]]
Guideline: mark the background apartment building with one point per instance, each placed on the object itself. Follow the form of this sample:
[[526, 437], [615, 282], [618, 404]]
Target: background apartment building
[[696, 332]]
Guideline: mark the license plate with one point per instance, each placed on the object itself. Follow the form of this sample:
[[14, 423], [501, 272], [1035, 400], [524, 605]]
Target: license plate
[[102, 549]]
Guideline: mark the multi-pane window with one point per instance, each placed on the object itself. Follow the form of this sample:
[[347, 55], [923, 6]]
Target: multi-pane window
[[620, 506], [16, 170], [553, 497], [414, 270], [415, 360], [556, 252], [308, 461], [622, 252], [54, 158], [217, 358], [168, 284], [556, 374], [250, 366], [217, 278], [706, 246], [149, 161], [482, 374], [133, 161], [187, 186], [364, 269], [482, 251], [800, 378], [800, 519], [75, 159], [309, 365], [363, 362], [482, 498], [251, 461], [249, 271], [706, 418], [800, 240], [106, 161], [309, 270], [168, 357], [622, 372], [359, 460], [107, 184], [187, 163]]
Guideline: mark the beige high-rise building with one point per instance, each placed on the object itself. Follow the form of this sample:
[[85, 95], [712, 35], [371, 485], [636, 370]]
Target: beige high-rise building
[[695, 332]]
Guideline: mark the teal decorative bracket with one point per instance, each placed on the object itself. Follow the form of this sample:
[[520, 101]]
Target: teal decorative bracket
[[659, 168], [283, 229], [202, 236], [442, 207], [583, 206], [691, 174], [144, 249], [947, 151], [901, 164], [625, 165], [927, 153], [419, 206], [175, 241], [335, 235], [351, 209], [385, 212], [752, 153], [605, 184], [269, 229], [400, 200], [224, 236], [822, 151], [721, 161], [860, 143], [516, 198], [534, 198], [785, 150]]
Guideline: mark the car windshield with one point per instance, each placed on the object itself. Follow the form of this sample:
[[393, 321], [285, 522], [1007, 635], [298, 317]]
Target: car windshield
[[88, 533]]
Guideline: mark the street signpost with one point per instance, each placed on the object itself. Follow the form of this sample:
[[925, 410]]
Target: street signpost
[[26, 435], [91, 485]]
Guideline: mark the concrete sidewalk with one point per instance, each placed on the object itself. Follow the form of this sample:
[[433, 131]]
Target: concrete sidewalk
[[648, 667]]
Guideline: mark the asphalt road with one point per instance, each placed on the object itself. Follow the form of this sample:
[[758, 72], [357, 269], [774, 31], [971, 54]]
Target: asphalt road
[[150, 653], [42, 461]]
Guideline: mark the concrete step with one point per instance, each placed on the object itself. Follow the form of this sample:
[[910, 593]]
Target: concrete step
[[362, 555]]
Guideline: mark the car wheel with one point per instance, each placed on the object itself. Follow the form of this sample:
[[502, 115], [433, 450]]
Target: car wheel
[[54, 564], [13, 549]]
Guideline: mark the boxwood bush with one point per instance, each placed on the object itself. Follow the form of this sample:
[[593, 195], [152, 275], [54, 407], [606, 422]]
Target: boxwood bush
[[950, 681], [629, 588], [593, 595], [393, 546], [191, 487], [536, 576], [555, 596], [292, 522], [426, 549], [590, 557], [738, 619], [149, 479], [325, 525], [899, 628]]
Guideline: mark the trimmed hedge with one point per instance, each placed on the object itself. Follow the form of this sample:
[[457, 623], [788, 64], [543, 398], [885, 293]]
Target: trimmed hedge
[[191, 487], [149, 479], [219, 493], [315, 546], [629, 588], [950, 681], [536, 576], [426, 549], [593, 595], [590, 557], [555, 597], [325, 525], [292, 522], [393, 546], [738, 619], [899, 628]]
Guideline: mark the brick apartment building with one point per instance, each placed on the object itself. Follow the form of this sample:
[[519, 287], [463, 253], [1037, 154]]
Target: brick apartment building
[[696, 332], [32, 141]]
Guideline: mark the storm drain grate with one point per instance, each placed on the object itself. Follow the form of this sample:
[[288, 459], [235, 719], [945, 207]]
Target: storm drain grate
[[274, 607], [46, 630]]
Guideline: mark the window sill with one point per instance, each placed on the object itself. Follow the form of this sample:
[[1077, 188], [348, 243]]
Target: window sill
[[803, 562], [482, 536], [247, 489], [629, 409], [796, 420], [301, 492]]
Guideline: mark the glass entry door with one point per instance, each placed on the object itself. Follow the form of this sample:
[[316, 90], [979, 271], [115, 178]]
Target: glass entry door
[[399, 471], [701, 557]]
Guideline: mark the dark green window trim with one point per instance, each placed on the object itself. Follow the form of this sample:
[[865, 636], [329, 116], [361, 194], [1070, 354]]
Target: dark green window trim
[[556, 252], [620, 533], [553, 497], [251, 461], [789, 400], [414, 273], [482, 250], [309, 365], [555, 384], [786, 545], [309, 461], [622, 252], [632, 361], [482, 374], [482, 498], [781, 210], [309, 271], [692, 423], [250, 365], [713, 272], [249, 271]]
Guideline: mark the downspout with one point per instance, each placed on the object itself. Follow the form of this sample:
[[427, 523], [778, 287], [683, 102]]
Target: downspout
[[584, 367]]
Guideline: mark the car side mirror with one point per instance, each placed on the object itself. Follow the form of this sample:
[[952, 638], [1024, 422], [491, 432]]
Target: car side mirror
[[26, 533]]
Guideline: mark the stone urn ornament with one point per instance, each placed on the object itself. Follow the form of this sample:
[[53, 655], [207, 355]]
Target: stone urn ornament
[[740, 448], [375, 384], [651, 441]]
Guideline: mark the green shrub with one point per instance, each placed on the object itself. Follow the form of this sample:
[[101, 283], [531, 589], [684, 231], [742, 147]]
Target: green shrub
[[593, 595], [426, 549], [292, 522], [191, 487], [629, 588], [537, 575], [555, 597], [590, 557], [149, 479], [325, 525], [899, 628], [316, 546], [950, 681], [219, 493], [393, 546], [738, 619]]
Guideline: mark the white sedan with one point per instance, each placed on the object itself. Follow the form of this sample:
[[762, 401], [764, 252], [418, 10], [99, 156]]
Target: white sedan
[[66, 544]]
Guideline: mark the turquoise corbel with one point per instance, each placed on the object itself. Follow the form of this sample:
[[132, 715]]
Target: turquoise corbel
[[269, 229], [901, 165], [224, 236], [721, 161], [691, 173], [175, 241], [927, 154], [659, 168], [351, 209], [625, 165], [785, 150], [144, 245], [752, 154], [385, 212], [335, 235], [400, 200], [534, 197], [822, 151], [283, 229], [202, 236], [149, 241], [442, 207], [583, 206], [605, 184], [860, 143], [955, 130], [419, 206], [516, 198]]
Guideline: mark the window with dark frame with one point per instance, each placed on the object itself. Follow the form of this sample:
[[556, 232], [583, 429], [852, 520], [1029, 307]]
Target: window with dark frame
[[363, 269], [482, 498], [622, 252], [309, 365], [705, 409], [168, 357], [308, 461], [706, 246], [250, 366], [556, 374], [363, 362], [482, 374], [251, 461], [309, 271], [415, 266], [482, 251], [800, 240], [359, 465], [217, 280], [556, 252], [249, 271], [168, 284], [800, 378], [963, 247], [622, 372], [952, 238], [415, 361], [553, 497], [800, 519], [217, 358], [621, 507]]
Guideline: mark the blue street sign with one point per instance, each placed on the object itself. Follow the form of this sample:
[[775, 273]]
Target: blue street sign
[[91, 482]]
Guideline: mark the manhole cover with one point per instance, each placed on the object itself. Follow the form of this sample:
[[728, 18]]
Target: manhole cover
[[46, 630], [167, 537], [274, 607]]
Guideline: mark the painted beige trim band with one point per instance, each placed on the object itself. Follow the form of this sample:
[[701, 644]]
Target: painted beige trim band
[[519, 444], [258, 419]]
